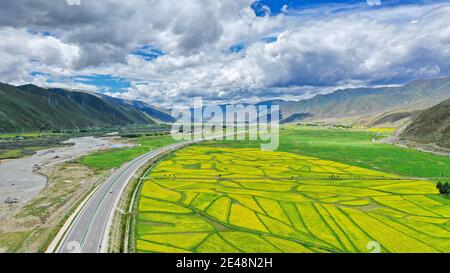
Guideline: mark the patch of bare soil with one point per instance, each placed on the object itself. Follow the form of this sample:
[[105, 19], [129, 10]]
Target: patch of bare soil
[[426, 148], [30, 227]]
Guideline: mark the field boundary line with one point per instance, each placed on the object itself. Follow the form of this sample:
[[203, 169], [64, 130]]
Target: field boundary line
[[131, 205], [306, 179]]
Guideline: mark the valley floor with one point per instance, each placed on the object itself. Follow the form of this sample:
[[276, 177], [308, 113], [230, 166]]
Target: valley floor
[[62, 181], [325, 190]]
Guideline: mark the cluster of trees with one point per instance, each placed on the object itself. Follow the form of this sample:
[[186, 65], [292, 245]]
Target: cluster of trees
[[443, 187]]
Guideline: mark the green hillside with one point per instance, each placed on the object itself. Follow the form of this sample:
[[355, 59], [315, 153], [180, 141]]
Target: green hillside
[[153, 112], [33, 108], [370, 101], [431, 126]]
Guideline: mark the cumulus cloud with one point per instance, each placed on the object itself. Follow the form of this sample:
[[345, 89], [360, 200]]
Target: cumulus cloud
[[21, 52], [179, 26], [366, 47], [310, 51]]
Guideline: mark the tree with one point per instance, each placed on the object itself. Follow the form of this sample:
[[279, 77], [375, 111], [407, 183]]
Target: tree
[[444, 188]]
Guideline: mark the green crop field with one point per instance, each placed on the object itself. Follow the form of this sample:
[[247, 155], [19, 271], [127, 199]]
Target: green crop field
[[209, 198], [354, 147], [25, 135], [114, 158]]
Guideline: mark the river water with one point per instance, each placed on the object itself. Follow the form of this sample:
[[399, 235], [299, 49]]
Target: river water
[[19, 179]]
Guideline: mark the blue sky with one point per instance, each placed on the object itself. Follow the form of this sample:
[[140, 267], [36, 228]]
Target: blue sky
[[105, 83], [148, 52], [276, 5], [151, 53], [166, 51]]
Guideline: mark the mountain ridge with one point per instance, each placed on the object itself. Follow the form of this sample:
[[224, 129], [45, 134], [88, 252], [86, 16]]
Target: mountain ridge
[[431, 126], [359, 102], [29, 107]]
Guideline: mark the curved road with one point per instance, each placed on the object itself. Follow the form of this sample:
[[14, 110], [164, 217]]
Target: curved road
[[89, 231]]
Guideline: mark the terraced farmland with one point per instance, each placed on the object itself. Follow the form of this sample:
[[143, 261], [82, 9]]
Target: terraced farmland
[[245, 200]]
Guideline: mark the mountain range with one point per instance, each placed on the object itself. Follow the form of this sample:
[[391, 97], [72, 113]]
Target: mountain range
[[31, 108], [366, 104], [430, 126]]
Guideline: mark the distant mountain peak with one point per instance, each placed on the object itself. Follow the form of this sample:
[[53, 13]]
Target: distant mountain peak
[[358, 102], [30, 107]]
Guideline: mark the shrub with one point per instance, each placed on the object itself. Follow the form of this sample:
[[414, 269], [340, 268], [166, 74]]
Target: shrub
[[444, 188]]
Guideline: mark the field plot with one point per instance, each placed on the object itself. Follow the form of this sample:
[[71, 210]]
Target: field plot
[[114, 158], [205, 199]]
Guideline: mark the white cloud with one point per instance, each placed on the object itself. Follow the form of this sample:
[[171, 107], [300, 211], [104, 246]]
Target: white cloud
[[22, 53], [352, 49], [73, 2], [374, 2], [315, 50]]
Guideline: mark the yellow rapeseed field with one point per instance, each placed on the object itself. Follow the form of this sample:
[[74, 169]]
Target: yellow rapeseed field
[[205, 199]]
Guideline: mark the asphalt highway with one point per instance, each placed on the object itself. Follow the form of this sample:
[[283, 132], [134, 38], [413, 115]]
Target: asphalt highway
[[88, 232]]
